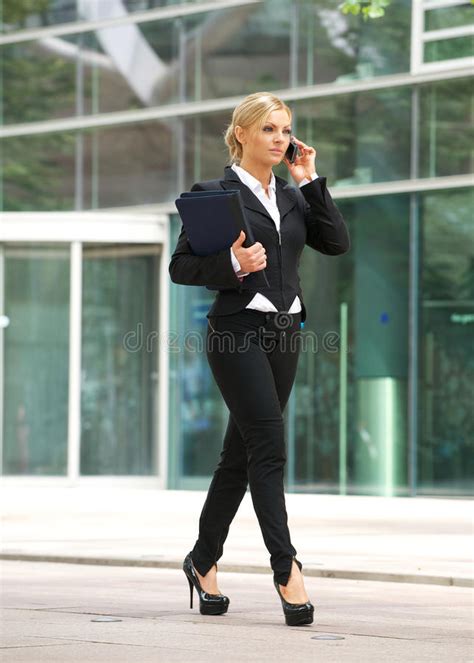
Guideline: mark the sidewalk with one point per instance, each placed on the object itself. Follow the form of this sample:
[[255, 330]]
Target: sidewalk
[[75, 613], [415, 540]]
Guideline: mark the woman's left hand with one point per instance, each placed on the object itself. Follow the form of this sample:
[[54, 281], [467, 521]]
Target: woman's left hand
[[304, 165]]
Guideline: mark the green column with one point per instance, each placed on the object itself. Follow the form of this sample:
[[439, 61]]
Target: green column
[[381, 345]]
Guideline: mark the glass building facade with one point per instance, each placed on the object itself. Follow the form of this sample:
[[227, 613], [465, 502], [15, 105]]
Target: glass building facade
[[109, 109]]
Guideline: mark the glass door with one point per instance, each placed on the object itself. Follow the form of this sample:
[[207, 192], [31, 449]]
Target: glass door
[[35, 349], [117, 349], [119, 377], [446, 377]]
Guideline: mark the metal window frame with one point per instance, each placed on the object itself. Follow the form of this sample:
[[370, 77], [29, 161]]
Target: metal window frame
[[74, 372], [366, 190], [2, 351], [441, 4], [158, 14], [420, 36], [118, 226], [448, 33], [194, 108]]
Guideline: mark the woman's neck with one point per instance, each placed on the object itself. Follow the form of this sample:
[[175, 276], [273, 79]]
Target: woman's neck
[[262, 173]]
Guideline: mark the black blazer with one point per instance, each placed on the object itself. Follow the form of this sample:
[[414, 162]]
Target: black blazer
[[308, 216]]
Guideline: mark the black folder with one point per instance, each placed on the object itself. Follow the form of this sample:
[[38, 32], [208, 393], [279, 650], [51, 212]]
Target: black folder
[[213, 221]]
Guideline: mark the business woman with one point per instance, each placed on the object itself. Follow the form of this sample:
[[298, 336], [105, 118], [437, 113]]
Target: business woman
[[252, 326]]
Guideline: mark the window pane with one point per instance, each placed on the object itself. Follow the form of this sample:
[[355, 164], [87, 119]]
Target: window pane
[[238, 51], [133, 164], [36, 359], [448, 49], [38, 172], [206, 153], [336, 47], [38, 80], [448, 17], [446, 131], [119, 360], [125, 165], [373, 281], [359, 138], [115, 68], [445, 457], [197, 416]]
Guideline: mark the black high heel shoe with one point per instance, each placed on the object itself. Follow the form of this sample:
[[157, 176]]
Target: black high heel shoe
[[209, 604], [296, 614]]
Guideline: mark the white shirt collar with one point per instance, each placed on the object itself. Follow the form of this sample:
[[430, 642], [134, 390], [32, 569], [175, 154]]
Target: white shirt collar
[[252, 181]]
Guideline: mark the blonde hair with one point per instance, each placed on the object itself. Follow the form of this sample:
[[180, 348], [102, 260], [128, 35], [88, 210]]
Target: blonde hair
[[252, 112]]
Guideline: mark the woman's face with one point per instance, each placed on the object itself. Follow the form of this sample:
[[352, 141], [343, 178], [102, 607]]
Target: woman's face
[[266, 146]]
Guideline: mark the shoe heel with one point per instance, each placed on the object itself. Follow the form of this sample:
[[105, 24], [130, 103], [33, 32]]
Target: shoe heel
[[191, 587]]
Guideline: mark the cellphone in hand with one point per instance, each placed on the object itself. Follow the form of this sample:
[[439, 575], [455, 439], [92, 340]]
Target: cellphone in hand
[[292, 151]]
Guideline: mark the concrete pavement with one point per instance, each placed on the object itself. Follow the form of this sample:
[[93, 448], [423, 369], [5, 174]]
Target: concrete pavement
[[390, 578], [60, 613], [423, 540]]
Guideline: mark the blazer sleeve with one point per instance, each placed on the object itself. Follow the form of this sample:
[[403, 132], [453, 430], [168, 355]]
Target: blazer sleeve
[[215, 270], [326, 230]]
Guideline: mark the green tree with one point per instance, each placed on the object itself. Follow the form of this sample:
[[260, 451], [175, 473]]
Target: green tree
[[367, 8], [15, 11]]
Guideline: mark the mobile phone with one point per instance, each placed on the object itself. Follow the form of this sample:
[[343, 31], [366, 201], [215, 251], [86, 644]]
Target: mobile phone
[[292, 151]]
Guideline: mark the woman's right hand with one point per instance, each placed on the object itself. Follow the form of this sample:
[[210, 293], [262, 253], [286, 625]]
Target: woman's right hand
[[252, 259]]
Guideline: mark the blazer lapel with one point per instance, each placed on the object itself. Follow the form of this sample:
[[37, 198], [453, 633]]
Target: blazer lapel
[[285, 197]]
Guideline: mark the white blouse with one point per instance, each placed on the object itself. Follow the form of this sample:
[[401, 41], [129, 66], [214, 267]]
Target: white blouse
[[259, 301]]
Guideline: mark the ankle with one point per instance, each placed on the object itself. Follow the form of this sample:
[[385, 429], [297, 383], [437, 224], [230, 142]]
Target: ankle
[[210, 575]]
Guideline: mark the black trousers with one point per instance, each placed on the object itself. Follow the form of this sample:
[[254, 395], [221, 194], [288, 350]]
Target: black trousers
[[253, 357]]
